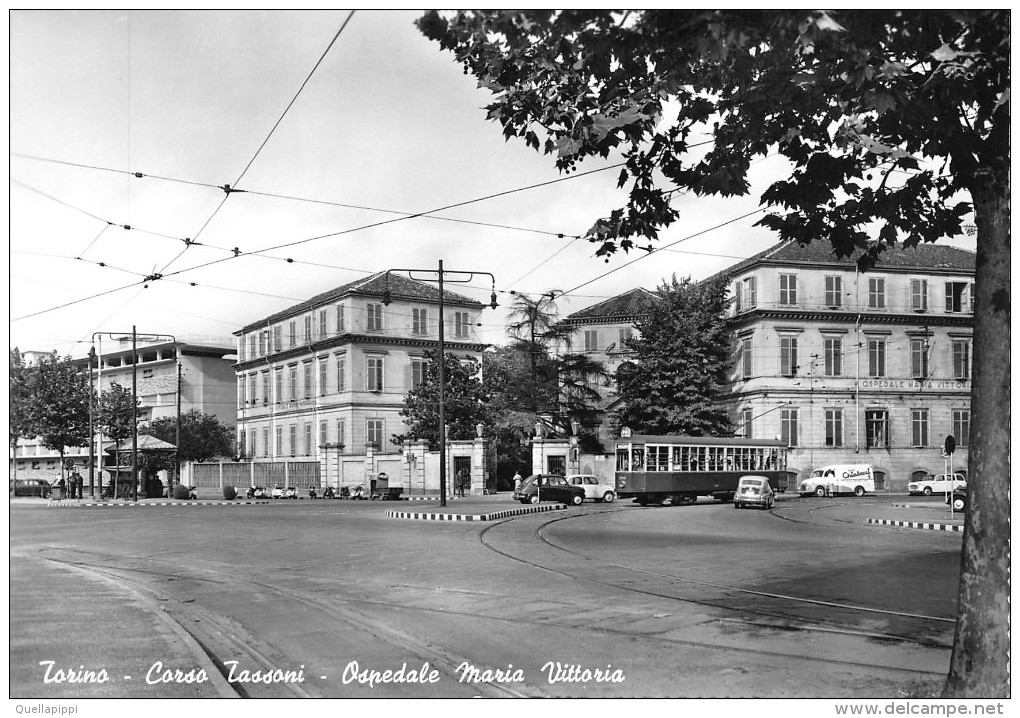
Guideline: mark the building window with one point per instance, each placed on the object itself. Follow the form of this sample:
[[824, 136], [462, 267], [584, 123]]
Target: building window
[[241, 391], [265, 442], [307, 367], [418, 371], [919, 295], [339, 318], [788, 426], [292, 331], [787, 288], [240, 349], [251, 388], [279, 441], [919, 427], [265, 388], [341, 372], [293, 439], [263, 339], [833, 291], [746, 358], [323, 375], [833, 356], [278, 377], [253, 339], [788, 356], [251, 445], [876, 426], [374, 433], [323, 434], [591, 340], [277, 338], [292, 371], [308, 329], [961, 360], [241, 443], [374, 318], [462, 322], [919, 358], [322, 324], [833, 427], [624, 334], [876, 357], [958, 297], [341, 433], [308, 439], [146, 373], [749, 293], [876, 293], [745, 423], [374, 374], [419, 321], [961, 426]]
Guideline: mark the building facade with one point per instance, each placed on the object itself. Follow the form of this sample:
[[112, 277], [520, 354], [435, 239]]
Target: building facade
[[328, 377], [852, 367], [206, 383]]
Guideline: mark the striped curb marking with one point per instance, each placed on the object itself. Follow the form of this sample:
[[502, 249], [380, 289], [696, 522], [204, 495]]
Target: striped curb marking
[[159, 503], [475, 517], [917, 525]]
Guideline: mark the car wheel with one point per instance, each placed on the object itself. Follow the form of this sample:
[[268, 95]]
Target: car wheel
[[736, 505], [927, 491], [533, 499], [959, 504], [820, 491], [609, 497], [577, 499], [859, 491]]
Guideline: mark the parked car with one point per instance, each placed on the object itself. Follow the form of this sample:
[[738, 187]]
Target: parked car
[[754, 491], [548, 487], [958, 499], [936, 484], [594, 490], [31, 487]]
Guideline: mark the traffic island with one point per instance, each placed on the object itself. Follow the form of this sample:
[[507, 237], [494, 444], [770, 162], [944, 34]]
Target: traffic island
[[917, 525], [114, 504], [492, 516]]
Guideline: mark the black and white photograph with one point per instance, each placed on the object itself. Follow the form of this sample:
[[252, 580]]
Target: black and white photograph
[[419, 356]]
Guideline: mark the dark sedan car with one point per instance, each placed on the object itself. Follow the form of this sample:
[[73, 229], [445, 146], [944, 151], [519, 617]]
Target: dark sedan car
[[544, 487], [32, 487], [959, 499]]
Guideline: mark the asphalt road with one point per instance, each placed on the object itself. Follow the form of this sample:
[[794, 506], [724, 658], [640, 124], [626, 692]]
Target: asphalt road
[[321, 599]]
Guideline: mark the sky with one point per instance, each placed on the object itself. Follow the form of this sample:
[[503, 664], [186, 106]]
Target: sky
[[331, 156]]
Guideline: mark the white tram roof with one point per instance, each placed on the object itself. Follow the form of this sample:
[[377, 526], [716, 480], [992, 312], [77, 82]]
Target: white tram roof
[[699, 441]]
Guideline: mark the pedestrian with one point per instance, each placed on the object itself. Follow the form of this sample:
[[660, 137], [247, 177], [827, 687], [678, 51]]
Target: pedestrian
[[517, 481], [462, 482], [60, 488]]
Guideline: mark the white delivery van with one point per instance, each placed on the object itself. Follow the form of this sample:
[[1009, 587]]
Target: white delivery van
[[856, 479]]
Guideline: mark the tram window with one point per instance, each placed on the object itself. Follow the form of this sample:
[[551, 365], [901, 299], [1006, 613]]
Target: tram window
[[678, 459], [658, 458], [623, 460], [637, 458]]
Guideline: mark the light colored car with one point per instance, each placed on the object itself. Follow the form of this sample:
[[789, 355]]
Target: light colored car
[[594, 490], [754, 491], [936, 484]]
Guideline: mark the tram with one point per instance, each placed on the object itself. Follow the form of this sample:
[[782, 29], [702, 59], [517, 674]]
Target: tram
[[654, 469]]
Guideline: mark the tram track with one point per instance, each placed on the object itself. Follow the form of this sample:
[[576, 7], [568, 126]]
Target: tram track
[[790, 621]]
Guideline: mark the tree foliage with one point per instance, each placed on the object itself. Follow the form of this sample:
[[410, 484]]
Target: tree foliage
[[59, 402], [116, 413], [683, 355], [895, 124], [463, 400], [20, 406], [203, 436]]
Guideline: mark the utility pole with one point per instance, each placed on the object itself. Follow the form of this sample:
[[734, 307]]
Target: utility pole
[[177, 440], [442, 354], [134, 413]]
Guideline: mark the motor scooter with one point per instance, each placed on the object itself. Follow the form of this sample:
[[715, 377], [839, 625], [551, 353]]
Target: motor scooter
[[311, 493], [328, 493], [345, 493], [358, 492], [292, 492]]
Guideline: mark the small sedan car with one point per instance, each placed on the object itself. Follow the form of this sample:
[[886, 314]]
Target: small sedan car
[[31, 487], [936, 484], [546, 487], [754, 491], [594, 490]]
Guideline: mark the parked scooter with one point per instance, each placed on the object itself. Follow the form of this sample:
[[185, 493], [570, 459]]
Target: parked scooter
[[345, 493], [292, 492], [311, 493], [358, 492], [328, 493]]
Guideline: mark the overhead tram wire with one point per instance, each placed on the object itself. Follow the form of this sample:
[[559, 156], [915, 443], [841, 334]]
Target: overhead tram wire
[[231, 188]]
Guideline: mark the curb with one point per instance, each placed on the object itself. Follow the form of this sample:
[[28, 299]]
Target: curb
[[97, 504], [917, 525], [475, 517]]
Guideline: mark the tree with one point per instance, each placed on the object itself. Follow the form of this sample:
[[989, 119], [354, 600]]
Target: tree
[[683, 356], [534, 323], [891, 121], [203, 436], [463, 401], [20, 413], [58, 403], [115, 418]]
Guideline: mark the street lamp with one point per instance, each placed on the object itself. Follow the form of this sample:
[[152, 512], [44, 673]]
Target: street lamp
[[134, 403], [467, 277]]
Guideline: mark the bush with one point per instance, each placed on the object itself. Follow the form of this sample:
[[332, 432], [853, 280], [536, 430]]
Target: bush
[[229, 493], [181, 492]]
